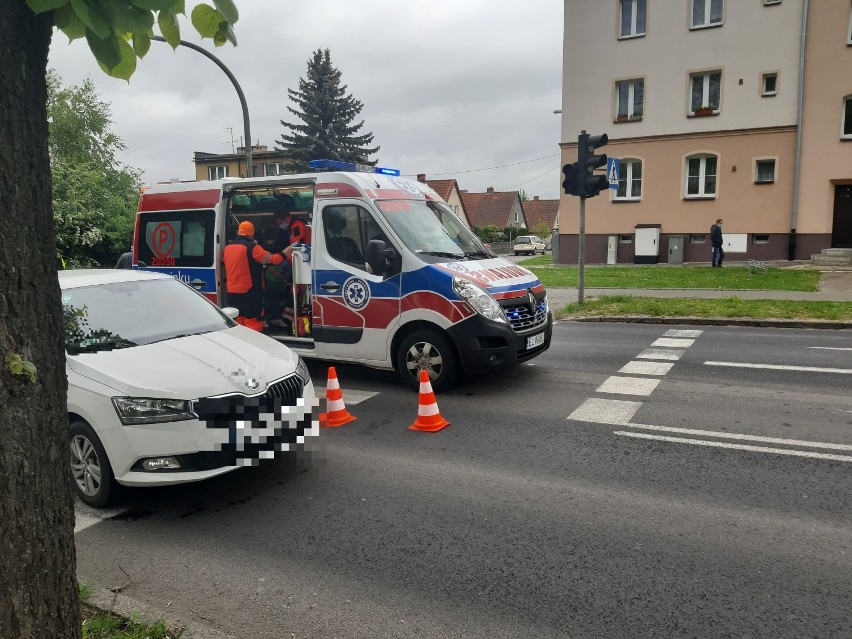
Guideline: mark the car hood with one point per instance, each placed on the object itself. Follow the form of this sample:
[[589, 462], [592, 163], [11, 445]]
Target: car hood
[[232, 360], [496, 275]]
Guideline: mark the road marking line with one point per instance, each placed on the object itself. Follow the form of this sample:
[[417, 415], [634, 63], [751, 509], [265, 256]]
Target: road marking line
[[628, 385], [614, 412], [349, 396], [673, 343], [681, 333], [671, 354], [646, 368], [778, 367], [831, 348], [81, 521], [742, 436], [746, 447]]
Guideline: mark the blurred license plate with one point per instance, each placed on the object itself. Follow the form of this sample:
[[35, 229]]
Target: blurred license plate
[[535, 340]]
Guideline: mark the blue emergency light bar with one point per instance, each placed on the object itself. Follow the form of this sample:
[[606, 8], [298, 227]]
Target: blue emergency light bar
[[337, 165]]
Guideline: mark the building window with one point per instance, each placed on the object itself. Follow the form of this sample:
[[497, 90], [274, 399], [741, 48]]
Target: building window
[[630, 100], [768, 84], [632, 18], [849, 30], [217, 172], [760, 239], [847, 117], [629, 180], [705, 92], [706, 13], [625, 239], [701, 176], [698, 238], [275, 168], [764, 171]]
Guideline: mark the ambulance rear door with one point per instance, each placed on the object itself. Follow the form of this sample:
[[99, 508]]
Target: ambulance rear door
[[355, 310]]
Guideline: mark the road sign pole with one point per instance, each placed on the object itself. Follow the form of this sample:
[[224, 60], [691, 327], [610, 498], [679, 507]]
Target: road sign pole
[[581, 254]]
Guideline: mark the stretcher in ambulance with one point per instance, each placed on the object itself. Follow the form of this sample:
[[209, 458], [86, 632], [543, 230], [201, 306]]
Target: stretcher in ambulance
[[393, 278]]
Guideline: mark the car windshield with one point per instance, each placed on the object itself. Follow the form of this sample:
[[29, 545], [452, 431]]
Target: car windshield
[[432, 231], [125, 314]]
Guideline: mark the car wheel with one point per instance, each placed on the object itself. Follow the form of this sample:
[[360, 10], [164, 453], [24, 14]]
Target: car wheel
[[430, 351], [91, 473], [517, 253]]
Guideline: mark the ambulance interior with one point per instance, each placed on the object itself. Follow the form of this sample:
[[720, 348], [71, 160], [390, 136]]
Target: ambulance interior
[[290, 283]]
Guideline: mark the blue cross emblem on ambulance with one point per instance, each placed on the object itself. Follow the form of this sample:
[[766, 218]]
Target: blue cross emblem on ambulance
[[356, 293]]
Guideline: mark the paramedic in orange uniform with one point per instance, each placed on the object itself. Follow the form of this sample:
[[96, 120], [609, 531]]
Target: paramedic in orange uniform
[[244, 261]]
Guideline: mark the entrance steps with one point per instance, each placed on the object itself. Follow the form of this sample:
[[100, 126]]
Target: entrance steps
[[833, 257]]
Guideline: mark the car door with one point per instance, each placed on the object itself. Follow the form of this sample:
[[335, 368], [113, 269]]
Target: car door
[[354, 309]]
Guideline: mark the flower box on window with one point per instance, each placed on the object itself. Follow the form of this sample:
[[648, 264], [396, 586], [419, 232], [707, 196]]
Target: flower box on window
[[622, 117], [704, 111]]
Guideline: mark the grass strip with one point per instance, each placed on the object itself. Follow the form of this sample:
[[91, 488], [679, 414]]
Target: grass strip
[[98, 624], [732, 307], [696, 277]]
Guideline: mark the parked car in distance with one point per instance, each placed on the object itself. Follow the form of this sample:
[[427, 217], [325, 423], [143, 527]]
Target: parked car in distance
[[164, 387], [529, 245]]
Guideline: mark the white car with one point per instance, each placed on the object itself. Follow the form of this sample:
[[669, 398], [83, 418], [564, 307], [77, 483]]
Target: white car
[[164, 387], [529, 244]]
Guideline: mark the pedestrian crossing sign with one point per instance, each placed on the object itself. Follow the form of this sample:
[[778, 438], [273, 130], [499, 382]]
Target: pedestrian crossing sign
[[612, 168]]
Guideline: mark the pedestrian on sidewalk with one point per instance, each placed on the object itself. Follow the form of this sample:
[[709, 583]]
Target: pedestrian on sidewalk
[[716, 241]]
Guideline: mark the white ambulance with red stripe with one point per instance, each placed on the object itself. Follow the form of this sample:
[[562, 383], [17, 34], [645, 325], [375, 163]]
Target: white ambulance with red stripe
[[393, 279]]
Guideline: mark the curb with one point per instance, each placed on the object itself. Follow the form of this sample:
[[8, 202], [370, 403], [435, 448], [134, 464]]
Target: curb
[[716, 321], [124, 606]]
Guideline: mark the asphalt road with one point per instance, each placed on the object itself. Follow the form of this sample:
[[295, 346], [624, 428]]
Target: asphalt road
[[567, 499]]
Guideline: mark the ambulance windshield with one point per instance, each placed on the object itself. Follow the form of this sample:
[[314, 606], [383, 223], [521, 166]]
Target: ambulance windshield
[[432, 231]]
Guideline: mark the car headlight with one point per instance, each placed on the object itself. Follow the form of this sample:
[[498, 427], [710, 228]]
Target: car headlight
[[302, 371], [479, 299], [142, 410]]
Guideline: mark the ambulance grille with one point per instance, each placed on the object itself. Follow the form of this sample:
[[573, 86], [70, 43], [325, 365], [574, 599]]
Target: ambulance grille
[[523, 317]]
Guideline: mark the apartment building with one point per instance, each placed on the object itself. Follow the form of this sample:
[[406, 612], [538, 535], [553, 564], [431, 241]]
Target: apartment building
[[215, 166], [732, 109]]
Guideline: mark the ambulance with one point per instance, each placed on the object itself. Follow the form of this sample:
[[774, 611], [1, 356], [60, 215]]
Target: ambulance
[[392, 279]]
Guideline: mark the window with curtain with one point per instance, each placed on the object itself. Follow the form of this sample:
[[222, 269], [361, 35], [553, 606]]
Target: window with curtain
[[701, 176], [630, 98], [706, 89], [633, 14], [706, 13], [764, 171], [629, 180], [217, 172]]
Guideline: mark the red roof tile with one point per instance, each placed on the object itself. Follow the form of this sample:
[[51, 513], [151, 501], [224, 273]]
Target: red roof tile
[[538, 211], [494, 208]]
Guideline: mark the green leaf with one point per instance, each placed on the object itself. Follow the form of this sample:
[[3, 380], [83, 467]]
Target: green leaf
[[228, 9], [154, 5], [133, 20], [141, 44], [206, 20], [169, 27], [179, 7], [91, 19], [67, 21], [126, 65], [221, 36], [106, 50], [40, 6]]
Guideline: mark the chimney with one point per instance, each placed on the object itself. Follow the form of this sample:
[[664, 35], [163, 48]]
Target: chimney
[[421, 177], [490, 189], [535, 197]]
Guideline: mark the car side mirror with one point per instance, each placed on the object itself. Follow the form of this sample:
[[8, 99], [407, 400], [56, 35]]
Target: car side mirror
[[231, 312], [380, 257]]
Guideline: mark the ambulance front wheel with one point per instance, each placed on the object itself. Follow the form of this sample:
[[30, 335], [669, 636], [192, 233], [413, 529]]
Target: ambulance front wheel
[[429, 351]]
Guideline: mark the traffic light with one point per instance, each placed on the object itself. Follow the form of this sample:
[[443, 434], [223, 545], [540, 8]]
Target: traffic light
[[570, 184], [589, 184]]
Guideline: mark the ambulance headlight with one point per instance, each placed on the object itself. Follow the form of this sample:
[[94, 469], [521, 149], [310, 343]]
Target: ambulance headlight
[[479, 299]]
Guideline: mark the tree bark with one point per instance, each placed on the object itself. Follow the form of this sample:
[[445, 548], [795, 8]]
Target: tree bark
[[38, 587]]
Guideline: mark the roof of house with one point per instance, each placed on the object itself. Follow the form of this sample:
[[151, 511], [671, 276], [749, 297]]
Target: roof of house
[[541, 211], [489, 208]]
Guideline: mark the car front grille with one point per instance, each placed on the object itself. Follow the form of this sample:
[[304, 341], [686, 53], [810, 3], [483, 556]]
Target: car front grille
[[526, 317]]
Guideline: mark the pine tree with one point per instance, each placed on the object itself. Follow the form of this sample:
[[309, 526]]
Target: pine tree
[[327, 112]]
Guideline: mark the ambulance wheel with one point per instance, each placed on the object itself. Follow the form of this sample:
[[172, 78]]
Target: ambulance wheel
[[430, 351], [91, 473]]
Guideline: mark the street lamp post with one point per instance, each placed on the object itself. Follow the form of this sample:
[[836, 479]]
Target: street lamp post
[[221, 65]]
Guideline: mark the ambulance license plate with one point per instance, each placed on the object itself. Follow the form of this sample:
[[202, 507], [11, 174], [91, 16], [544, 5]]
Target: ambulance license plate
[[535, 340]]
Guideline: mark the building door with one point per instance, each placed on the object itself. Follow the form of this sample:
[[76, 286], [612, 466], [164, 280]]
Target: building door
[[841, 231], [676, 249]]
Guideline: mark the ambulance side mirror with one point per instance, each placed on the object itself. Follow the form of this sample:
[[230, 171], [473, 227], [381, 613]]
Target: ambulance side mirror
[[380, 257]]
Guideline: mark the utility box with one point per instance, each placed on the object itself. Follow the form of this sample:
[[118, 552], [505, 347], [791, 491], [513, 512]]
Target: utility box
[[676, 247], [612, 249], [647, 244]]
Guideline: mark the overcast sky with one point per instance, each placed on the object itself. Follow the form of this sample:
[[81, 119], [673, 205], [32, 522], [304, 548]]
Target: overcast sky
[[450, 87]]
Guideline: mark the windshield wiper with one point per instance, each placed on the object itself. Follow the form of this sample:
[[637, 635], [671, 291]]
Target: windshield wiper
[[179, 335], [470, 254], [443, 254]]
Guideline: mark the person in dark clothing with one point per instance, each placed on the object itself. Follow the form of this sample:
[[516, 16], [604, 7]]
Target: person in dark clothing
[[716, 241], [125, 261], [244, 261]]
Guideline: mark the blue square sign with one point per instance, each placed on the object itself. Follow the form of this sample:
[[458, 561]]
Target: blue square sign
[[613, 166]]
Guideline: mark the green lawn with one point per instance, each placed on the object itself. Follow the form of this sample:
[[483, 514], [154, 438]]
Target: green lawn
[[727, 278], [732, 307]]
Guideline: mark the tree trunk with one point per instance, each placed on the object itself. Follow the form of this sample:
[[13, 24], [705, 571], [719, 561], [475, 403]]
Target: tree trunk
[[38, 587]]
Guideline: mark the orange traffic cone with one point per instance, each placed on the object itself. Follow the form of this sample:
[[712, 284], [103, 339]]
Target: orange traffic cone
[[428, 416], [337, 414]]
